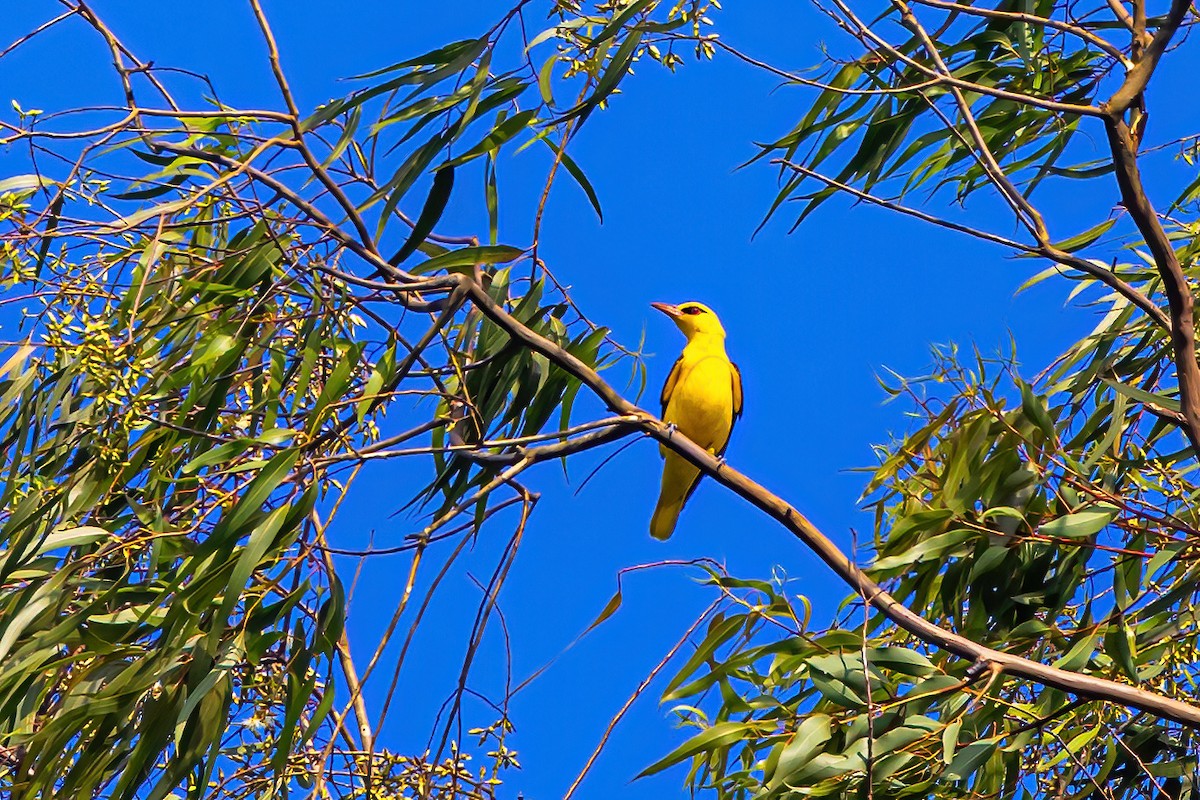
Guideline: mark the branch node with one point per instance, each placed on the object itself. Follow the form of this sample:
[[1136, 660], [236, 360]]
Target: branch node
[[978, 669]]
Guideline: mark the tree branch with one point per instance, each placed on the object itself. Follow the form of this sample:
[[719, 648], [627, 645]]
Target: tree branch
[[882, 45], [1032, 19], [800, 527], [1138, 77], [410, 296], [1121, 13], [1175, 284], [1032, 217], [1107, 277]]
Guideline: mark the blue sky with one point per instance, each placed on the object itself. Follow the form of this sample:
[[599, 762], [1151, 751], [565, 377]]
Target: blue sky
[[812, 317]]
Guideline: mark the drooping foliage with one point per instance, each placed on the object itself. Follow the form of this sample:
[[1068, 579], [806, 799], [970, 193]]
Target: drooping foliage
[[225, 315]]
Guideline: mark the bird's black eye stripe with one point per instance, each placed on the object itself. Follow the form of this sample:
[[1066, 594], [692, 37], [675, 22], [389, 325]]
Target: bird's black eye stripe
[[692, 310]]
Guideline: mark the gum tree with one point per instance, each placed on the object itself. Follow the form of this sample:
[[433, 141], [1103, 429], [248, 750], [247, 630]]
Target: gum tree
[[228, 313]]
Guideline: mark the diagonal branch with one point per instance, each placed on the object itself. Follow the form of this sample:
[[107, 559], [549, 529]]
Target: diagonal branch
[[1098, 42], [800, 527], [410, 296], [1175, 284], [1032, 218], [1123, 146], [1105, 276], [1121, 13], [864, 32]]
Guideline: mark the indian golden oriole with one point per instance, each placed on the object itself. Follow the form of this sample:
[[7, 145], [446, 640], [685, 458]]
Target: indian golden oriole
[[702, 398]]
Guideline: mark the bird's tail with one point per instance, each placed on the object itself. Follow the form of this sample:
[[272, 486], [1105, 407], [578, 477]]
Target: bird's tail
[[679, 478]]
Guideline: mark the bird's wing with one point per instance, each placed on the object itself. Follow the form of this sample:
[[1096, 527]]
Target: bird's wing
[[669, 387], [737, 391], [735, 376]]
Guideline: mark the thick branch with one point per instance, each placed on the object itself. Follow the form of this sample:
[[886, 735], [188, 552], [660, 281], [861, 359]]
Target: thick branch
[[1067, 681], [1137, 78], [1175, 285]]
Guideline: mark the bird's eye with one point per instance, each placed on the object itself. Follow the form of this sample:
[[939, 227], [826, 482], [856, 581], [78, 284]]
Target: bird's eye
[[692, 310]]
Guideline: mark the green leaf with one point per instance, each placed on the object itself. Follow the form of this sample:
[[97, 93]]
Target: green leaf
[[950, 740], [913, 729], [19, 183], [718, 736], [229, 660], [902, 660], [249, 559], [71, 537], [1081, 651], [808, 740], [615, 24], [970, 758], [617, 67], [1082, 240], [455, 260], [578, 175], [839, 677], [456, 54], [431, 212], [37, 602], [546, 80], [505, 129], [1120, 642], [491, 198], [1080, 524], [1036, 411], [1142, 396], [370, 395], [250, 504], [929, 549], [720, 630]]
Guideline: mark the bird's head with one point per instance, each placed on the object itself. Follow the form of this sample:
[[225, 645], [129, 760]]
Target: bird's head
[[694, 319]]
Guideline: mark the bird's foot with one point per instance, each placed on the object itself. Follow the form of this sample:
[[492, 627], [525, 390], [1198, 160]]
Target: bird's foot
[[671, 428]]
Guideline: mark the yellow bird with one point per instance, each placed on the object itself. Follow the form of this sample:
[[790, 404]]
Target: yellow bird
[[702, 398]]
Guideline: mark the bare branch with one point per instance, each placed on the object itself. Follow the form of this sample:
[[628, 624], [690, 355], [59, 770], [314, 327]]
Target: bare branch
[[318, 170], [1107, 277], [1032, 19], [802, 81], [45, 26], [641, 688], [1121, 13]]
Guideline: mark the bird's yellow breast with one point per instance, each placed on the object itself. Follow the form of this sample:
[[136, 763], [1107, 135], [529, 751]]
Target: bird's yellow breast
[[701, 404]]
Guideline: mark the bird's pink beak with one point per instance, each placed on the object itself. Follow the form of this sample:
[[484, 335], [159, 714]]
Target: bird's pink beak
[[668, 309]]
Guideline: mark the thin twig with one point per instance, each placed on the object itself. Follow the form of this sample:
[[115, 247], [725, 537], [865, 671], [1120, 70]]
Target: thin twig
[[1107, 277], [645, 684]]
